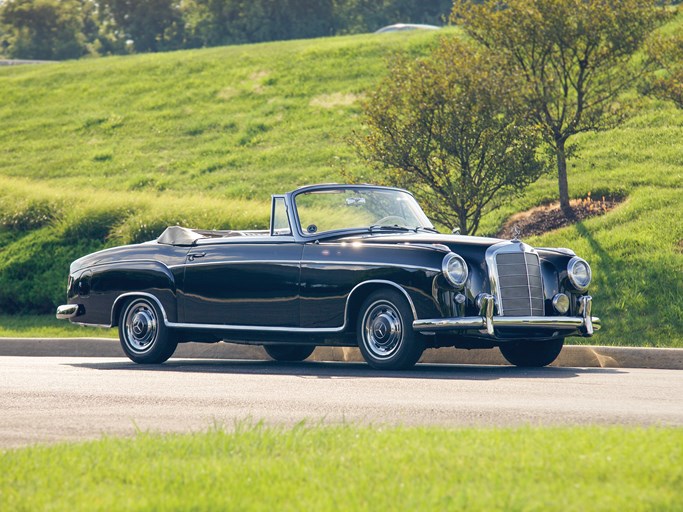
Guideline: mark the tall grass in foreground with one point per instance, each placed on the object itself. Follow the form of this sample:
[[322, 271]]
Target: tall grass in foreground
[[354, 468]]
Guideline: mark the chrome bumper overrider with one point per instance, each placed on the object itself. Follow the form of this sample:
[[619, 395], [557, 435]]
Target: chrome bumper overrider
[[68, 311], [585, 323]]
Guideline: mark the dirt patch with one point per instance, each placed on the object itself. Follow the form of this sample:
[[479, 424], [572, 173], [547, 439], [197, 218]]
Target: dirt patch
[[259, 75], [336, 99], [546, 218], [227, 93], [258, 81]]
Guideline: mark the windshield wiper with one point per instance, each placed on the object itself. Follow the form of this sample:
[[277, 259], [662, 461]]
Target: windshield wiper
[[416, 229], [380, 227]]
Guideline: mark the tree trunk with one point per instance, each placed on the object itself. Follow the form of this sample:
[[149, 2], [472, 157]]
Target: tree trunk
[[562, 179], [462, 220]]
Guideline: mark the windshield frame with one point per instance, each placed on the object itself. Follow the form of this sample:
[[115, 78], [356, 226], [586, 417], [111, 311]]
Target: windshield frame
[[298, 228]]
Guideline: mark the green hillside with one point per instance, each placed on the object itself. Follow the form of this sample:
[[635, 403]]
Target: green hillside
[[108, 151]]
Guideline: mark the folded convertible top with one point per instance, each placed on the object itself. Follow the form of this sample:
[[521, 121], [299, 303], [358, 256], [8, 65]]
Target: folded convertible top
[[178, 235]]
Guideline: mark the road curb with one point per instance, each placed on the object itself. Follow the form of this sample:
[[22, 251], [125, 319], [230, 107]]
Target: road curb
[[571, 356]]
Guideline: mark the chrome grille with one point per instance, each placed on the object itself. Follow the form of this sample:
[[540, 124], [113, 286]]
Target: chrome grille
[[520, 284]]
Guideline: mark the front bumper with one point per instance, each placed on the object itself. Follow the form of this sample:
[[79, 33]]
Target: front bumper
[[583, 325], [68, 311]]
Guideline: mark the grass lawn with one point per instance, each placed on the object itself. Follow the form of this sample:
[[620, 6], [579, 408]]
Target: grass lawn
[[109, 151], [47, 326], [354, 468]]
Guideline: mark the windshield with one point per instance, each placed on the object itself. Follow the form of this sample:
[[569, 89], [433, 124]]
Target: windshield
[[373, 209]]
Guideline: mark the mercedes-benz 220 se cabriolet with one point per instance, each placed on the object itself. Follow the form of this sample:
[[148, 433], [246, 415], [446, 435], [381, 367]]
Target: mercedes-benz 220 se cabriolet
[[341, 265]]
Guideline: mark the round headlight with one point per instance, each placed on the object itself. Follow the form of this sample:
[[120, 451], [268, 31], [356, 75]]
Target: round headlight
[[579, 273], [454, 269]]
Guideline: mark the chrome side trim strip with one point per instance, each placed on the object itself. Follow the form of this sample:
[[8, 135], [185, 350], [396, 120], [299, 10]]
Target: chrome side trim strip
[[101, 326], [309, 262], [225, 262], [222, 327], [370, 263], [125, 262]]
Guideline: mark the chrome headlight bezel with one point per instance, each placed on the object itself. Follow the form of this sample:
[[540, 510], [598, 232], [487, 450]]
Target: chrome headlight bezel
[[571, 273], [458, 281]]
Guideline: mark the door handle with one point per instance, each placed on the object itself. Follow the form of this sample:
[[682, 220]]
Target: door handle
[[196, 255]]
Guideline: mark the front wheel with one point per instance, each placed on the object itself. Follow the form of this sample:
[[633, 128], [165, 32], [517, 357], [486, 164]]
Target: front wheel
[[385, 332], [291, 353], [531, 353], [144, 337]]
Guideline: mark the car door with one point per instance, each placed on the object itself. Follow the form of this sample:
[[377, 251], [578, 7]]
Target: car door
[[247, 283]]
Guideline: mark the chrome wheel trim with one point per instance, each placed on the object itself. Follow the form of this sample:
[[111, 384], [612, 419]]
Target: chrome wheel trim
[[382, 330], [141, 327]]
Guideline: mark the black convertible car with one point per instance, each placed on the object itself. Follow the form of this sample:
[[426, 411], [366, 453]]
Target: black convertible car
[[344, 265]]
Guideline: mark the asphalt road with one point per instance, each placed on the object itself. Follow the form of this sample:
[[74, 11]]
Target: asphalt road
[[48, 399]]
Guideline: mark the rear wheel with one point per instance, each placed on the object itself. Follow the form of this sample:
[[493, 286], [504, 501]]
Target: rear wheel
[[532, 353], [144, 337], [385, 332], [289, 352]]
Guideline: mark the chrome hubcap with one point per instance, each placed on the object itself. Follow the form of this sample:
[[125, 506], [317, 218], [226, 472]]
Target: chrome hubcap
[[382, 330], [141, 327]]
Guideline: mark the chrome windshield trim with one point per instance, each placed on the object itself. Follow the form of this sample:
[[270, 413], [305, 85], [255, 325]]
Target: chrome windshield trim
[[296, 221]]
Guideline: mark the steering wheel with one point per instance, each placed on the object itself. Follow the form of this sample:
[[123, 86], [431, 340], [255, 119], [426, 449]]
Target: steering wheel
[[390, 220]]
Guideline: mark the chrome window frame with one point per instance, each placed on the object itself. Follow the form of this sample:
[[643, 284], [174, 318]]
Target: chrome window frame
[[273, 201]]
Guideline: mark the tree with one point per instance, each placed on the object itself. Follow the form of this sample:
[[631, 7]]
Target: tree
[[358, 16], [668, 54], [451, 128], [575, 58], [212, 22], [43, 29], [4, 43], [152, 25]]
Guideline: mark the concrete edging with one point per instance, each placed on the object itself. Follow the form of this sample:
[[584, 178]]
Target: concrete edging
[[571, 356]]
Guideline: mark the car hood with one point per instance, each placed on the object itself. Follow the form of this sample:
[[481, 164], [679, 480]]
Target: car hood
[[451, 241], [455, 243]]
